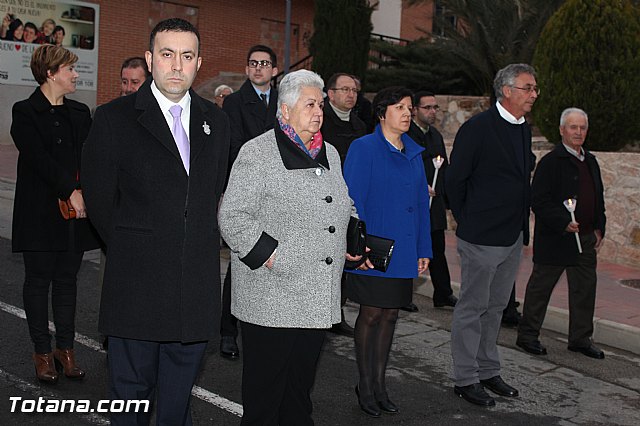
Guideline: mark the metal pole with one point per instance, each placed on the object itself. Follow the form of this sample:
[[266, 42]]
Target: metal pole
[[287, 38]]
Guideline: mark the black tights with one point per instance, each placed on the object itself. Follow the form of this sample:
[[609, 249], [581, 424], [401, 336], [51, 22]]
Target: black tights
[[373, 336]]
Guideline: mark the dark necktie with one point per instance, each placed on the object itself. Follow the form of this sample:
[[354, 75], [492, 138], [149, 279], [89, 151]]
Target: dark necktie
[[263, 96]]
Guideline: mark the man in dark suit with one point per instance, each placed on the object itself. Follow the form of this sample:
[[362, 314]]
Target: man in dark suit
[[567, 172], [156, 164], [488, 187], [425, 108], [340, 127], [251, 111]]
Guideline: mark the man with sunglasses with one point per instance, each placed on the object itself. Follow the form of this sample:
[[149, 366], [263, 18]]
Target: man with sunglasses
[[251, 111], [425, 109]]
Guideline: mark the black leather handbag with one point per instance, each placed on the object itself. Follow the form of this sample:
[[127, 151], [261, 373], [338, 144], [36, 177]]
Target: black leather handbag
[[380, 251], [356, 237]]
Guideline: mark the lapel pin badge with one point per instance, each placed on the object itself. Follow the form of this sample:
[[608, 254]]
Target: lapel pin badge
[[206, 128]]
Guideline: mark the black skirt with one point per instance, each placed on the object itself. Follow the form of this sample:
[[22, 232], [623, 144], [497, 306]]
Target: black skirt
[[380, 292]]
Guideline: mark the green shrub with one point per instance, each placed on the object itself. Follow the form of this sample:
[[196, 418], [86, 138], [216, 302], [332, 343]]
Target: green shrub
[[588, 56]]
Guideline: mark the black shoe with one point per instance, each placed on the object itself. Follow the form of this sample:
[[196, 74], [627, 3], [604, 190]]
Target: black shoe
[[229, 347], [369, 406], [410, 308], [591, 351], [386, 405], [451, 300], [534, 347], [498, 386], [342, 328], [511, 319], [475, 394]]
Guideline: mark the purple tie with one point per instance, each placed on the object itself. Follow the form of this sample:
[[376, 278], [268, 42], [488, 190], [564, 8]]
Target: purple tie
[[182, 141]]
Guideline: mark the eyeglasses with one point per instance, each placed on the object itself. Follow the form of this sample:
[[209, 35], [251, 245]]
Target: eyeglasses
[[529, 89], [347, 90], [429, 107], [262, 64], [221, 96]]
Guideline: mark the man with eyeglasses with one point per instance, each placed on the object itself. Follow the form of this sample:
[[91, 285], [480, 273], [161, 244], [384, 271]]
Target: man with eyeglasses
[[340, 127], [489, 192], [422, 131], [251, 111]]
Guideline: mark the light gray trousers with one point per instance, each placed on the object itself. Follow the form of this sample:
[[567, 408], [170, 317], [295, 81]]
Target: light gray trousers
[[487, 277]]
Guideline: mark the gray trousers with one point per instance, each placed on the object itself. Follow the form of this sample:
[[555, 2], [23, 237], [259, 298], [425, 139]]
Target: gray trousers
[[488, 274]]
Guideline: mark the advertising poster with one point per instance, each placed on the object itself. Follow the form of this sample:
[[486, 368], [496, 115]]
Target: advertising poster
[[73, 24]]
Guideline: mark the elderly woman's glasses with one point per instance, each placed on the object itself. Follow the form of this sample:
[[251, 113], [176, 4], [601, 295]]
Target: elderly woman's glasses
[[528, 89], [262, 64], [346, 90]]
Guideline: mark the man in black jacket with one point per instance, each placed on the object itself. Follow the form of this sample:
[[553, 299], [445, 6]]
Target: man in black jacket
[[251, 111], [340, 127], [567, 172], [425, 108]]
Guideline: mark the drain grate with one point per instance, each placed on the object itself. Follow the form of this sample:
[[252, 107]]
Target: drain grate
[[631, 283]]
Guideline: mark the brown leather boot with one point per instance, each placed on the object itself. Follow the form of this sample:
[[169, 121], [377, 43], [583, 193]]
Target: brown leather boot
[[66, 363], [45, 370]]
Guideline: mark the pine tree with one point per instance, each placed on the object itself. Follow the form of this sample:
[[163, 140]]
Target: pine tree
[[588, 56], [340, 42]]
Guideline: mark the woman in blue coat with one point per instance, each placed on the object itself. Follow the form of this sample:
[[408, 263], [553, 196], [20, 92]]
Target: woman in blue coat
[[386, 180]]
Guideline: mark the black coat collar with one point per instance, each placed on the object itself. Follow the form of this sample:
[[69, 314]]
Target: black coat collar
[[41, 103], [294, 158]]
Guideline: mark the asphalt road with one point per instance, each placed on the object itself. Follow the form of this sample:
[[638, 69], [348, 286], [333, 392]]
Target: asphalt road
[[563, 388]]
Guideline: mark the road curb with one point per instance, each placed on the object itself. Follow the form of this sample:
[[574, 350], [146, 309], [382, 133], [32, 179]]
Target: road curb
[[607, 332]]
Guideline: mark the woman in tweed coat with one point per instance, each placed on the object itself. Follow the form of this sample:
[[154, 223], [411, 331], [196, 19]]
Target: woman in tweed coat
[[285, 215]]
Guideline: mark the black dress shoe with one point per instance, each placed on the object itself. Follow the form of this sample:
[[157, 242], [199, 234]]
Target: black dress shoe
[[451, 300], [534, 347], [511, 319], [498, 386], [386, 405], [591, 351], [229, 347], [342, 328], [475, 394], [411, 307], [368, 405]]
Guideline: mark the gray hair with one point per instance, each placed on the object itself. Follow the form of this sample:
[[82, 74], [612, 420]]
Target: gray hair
[[566, 112], [220, 88], [292, 84], [507, 76]]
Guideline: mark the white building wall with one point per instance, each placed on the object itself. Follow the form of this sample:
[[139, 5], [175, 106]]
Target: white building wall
[[386, 19]]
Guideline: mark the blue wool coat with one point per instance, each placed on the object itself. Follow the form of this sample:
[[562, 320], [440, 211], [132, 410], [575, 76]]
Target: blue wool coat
[[389, 189]]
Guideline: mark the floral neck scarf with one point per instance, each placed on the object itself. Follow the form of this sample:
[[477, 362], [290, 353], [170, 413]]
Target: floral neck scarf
[[316, 142]]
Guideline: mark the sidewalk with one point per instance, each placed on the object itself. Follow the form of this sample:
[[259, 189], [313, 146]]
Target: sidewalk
[[617, 315]]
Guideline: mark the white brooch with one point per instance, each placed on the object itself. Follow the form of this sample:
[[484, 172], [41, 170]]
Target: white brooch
[[206, 128]]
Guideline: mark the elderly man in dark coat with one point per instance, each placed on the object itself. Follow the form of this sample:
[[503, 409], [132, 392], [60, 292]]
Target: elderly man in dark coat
[[567, 172], [156, 164]]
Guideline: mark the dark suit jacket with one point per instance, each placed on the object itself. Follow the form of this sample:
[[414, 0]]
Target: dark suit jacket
[[248, 116], [488, 189], [340, 133], [433, 143], [48, 164], [162, 277], [555, 180]]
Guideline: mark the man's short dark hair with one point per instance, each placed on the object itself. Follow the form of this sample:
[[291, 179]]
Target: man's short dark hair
[[136, 62], [59, 28], [331, 83], [173, 24], [421, 94], [32, 26], [265, 49], [386, 97]]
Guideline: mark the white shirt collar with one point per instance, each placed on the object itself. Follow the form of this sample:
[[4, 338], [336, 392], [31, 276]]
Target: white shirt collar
[[508, 116], [165, 104], [578, 155]]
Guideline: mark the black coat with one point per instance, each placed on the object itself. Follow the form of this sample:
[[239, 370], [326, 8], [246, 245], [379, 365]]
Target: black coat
[[556, 180], [433, 143], [488, 189], [248, 116], [340, 133], [162, 277], [48, 165]]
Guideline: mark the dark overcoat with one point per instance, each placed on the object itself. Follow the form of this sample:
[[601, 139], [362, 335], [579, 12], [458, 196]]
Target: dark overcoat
[[556, 180], [340, 133], [162, 277], [48, 170], [433, 145], [488, 188]]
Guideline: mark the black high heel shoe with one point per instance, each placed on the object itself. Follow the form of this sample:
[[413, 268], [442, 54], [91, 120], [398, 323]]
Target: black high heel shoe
[[386, 404], [369, 407]]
